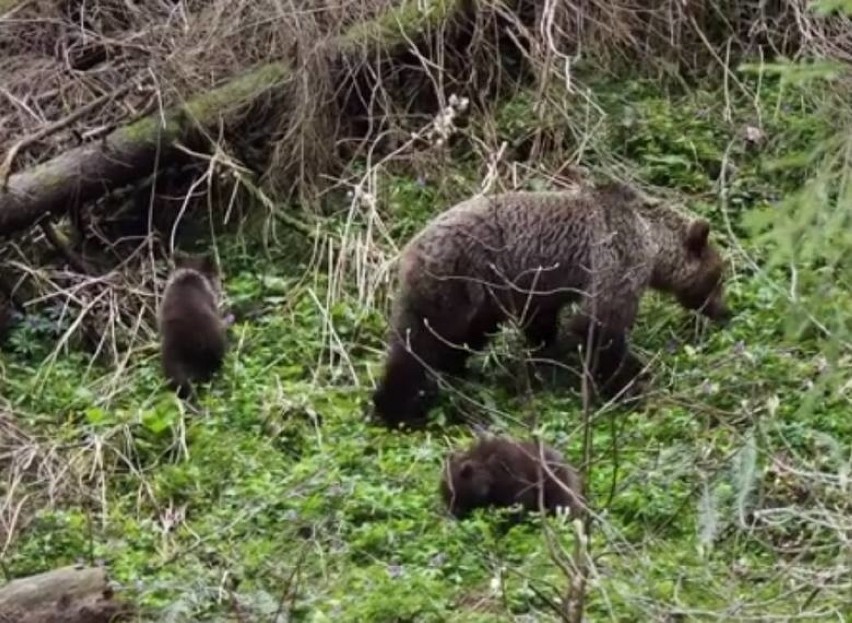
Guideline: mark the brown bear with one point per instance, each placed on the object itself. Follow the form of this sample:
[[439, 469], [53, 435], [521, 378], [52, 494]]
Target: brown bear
[[192, 332], [524, 255], [502, 472]]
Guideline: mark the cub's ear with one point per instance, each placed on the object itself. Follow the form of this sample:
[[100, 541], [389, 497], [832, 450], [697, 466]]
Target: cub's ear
[[480, 432], [466, 470], [697, 234], [208, 263], [181, 259]]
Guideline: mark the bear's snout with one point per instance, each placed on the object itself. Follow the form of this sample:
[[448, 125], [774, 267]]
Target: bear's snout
[[716, 310]]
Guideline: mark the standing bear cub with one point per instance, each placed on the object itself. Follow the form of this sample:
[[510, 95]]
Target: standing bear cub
[[192, 332], [524, 255], [500, 472]]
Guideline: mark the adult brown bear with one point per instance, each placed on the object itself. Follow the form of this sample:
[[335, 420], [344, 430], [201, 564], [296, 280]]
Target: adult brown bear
[[525, 255]]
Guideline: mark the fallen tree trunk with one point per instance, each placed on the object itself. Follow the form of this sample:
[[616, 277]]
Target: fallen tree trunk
[[87, 172], [69, 594]]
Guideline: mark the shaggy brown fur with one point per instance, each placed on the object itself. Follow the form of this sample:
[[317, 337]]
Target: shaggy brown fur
[[192, 332], [501, 472], [525, 255]]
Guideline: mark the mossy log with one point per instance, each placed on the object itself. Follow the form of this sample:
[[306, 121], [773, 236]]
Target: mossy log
[[87, 172], [66, 595]]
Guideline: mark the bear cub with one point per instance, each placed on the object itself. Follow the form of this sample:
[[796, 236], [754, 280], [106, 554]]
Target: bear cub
[[525, 255], [192, 331], [501, 472]]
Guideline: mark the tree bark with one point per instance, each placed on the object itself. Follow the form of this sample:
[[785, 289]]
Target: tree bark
[[87, 172], [66, 595]]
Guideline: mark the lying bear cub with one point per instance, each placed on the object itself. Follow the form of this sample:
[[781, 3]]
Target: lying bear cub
[[499, 472]]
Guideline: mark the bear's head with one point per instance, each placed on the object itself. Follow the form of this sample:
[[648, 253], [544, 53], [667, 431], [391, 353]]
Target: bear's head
[[466, 484], [695, 273], [204, 264]]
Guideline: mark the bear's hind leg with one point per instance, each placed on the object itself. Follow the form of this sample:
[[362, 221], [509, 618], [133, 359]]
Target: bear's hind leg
[[408, 386], [402, 394], [177, 377]]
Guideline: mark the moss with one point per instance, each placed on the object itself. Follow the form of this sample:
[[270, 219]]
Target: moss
[[206, 109], [397, 26], [237, 93]]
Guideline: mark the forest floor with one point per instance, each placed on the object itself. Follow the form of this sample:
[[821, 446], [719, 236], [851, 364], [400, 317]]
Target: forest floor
[[720, 496]]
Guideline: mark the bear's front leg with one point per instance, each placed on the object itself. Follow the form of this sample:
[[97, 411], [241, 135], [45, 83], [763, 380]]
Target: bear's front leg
[[541, 326], [612, 365]]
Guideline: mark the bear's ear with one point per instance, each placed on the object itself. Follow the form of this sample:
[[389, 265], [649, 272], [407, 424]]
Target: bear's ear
[[697, 234]]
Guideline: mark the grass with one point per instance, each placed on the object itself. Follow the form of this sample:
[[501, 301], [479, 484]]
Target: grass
[[722, 496]]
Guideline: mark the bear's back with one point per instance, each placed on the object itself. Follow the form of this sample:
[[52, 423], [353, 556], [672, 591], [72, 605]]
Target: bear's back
[[518, 233], [190, 324], [517, 208], [187, 294]]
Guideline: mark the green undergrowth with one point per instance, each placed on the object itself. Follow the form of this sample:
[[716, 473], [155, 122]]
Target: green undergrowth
[[280, 499]]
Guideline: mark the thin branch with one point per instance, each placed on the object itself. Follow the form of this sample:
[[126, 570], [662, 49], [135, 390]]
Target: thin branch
[[56, 126]]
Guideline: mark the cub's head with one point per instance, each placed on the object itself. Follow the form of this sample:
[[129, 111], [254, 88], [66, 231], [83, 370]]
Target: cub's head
[[202, 263], [696, 273], [465, 485]]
